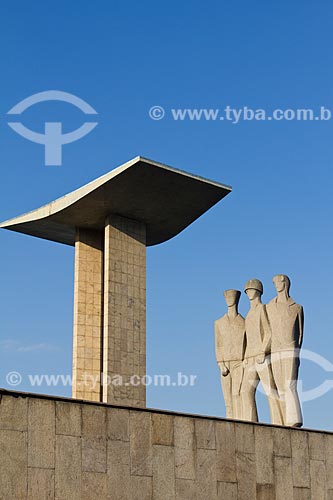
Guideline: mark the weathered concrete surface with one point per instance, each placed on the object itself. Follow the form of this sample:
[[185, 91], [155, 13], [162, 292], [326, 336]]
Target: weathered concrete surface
[[55, 448]]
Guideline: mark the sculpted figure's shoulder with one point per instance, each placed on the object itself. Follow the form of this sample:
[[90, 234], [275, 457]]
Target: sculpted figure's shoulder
[[297, 310], [261, 309], [221, 321], [293, 303], [271, 303], [241, 320]]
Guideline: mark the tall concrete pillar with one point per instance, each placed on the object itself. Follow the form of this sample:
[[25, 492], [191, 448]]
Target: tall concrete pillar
[[88, 314], [124, 340], [109, 348]]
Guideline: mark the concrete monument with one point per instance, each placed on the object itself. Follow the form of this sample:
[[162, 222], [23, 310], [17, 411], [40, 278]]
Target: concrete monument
[[230, 349], [110, 222], [287, 321], [257, 357]]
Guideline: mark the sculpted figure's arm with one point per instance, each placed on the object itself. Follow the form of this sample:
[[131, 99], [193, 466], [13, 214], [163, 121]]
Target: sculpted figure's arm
[[224, 369], [244, 356], [219, 351], [301, 326], [244, 345], [266, 335]]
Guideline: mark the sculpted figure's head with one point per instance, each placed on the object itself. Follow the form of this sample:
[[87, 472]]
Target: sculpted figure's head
[[281, 283], [253, 289], [232, 297]]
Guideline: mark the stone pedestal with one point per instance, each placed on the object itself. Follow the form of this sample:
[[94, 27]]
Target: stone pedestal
[[53, 448]]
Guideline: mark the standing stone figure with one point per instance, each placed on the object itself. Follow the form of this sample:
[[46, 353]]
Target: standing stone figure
[[230, 347], [257, 357], [287, 322]]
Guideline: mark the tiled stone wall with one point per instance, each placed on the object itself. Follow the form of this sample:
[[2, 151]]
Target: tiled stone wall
[[88, 315], [124, 311], [53, 449]]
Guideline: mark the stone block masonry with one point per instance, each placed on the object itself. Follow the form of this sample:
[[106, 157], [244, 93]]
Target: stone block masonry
[[55, 448]]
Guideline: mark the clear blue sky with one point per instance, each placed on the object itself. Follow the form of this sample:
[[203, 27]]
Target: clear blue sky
[[122, 58]]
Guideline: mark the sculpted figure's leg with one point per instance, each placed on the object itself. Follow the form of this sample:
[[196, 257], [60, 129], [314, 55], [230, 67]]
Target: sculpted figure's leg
[[248, 391], [279, 380], [227, 394], [237, 378], [266, 377], [238, 407], [290, 362]]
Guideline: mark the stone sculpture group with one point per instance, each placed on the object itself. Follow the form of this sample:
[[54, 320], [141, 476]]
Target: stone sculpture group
[[264, 347]]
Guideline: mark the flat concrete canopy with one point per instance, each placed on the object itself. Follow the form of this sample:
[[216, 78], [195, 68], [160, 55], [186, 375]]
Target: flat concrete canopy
[[165, 199]]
